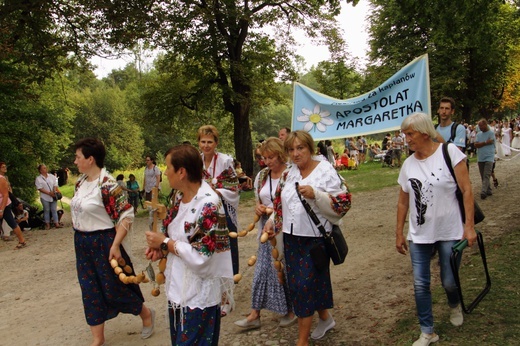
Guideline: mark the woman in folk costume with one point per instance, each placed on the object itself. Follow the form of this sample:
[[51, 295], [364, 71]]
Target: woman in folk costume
[[267, 291], [101, 218], [196, 243], [310, 289], [219, 173]]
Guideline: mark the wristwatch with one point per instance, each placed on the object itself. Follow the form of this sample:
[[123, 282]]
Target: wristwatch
[[164, 246]]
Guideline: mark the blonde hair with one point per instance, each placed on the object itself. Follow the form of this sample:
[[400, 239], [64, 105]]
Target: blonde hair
[[274, 145], [207, 130]]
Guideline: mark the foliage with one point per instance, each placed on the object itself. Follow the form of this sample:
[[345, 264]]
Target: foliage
[[104, 114], [337, 79], [467, 43], [35, 130], [224, 53]]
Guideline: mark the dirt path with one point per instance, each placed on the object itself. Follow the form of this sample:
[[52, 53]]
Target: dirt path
[[40, 300]]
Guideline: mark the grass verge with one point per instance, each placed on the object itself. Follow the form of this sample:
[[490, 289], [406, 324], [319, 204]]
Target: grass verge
[[496, 320]]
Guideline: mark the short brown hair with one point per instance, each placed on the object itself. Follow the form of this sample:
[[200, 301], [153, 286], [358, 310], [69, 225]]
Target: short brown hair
[[449, 100], [187, 157]]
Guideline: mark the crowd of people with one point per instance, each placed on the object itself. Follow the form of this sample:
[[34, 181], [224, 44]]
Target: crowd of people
[[202, 256]]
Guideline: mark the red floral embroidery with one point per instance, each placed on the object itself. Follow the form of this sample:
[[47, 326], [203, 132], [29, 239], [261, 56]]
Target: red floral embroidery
[[209, 241]]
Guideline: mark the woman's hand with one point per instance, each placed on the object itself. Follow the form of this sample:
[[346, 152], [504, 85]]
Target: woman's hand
[[400, 244], [154, 239], [269, 227], [153, 254], [260, 209], [469, 234], [306, 191], [115, 252]]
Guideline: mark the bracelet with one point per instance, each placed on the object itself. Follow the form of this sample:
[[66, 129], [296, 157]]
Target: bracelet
[[175, 251]]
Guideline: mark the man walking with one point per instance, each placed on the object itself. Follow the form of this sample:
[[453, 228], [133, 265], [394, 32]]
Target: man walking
[[448, 131], [485, 144]]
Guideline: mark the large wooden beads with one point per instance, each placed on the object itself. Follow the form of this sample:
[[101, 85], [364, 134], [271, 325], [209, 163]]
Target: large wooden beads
[[264, 237], [251, 261]]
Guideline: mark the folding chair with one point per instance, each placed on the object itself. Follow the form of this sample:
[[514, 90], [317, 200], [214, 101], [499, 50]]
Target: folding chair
[[456, 253]]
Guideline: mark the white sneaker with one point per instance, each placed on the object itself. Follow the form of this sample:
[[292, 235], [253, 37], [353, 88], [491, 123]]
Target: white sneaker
[[254, 324], [323, 327], [456, 316], [426, 339]]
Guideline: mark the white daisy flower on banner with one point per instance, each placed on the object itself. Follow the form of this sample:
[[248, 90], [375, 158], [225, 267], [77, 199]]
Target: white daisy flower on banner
[[315, 119]]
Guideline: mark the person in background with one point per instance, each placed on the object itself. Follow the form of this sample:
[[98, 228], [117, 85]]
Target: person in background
[[397, 150], [435, 221], [471, 140], [120, 180], [444, 130], [282, 134], [47, 184], [196, 244], [259, 163], [133, 192], [102, 218], [63, 176], [344, 158], [267, 291], [485, 144], [152, 178], [330, 153], [516, 138], [353, 149], [219, 173], [6, 212], [318, 182], [322, 149], [245, 182], [21, 216], [362, 145], [507, 134]]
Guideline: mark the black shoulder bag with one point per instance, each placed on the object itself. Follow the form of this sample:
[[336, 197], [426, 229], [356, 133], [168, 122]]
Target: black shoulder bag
[[478, 214], [335, 243]]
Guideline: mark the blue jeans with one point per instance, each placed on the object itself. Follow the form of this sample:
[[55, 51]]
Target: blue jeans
[[421, 258], [50, 208]]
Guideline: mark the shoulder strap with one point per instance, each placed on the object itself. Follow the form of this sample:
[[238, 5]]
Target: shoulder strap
[[458, 192], [453, 132], [311, 213], [447, 159]]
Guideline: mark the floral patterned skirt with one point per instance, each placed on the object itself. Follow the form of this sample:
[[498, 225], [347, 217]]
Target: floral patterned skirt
[[195, 326], [267, 291], [104, 295], [309, 289]]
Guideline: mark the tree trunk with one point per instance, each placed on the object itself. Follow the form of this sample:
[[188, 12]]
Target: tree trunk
[[242, 136]]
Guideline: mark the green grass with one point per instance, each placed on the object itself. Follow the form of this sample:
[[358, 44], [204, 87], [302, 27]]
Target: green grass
[[370, 176], [496, 320]]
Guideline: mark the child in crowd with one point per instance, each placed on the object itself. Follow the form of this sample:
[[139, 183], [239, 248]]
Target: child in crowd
[[133, 191]]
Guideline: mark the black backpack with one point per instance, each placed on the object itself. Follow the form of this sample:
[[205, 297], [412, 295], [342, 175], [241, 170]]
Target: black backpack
[[453, 133]]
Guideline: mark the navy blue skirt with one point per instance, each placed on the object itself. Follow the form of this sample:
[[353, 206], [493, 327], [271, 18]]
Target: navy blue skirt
[[199, 327], [309, 289], [104, 295]]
